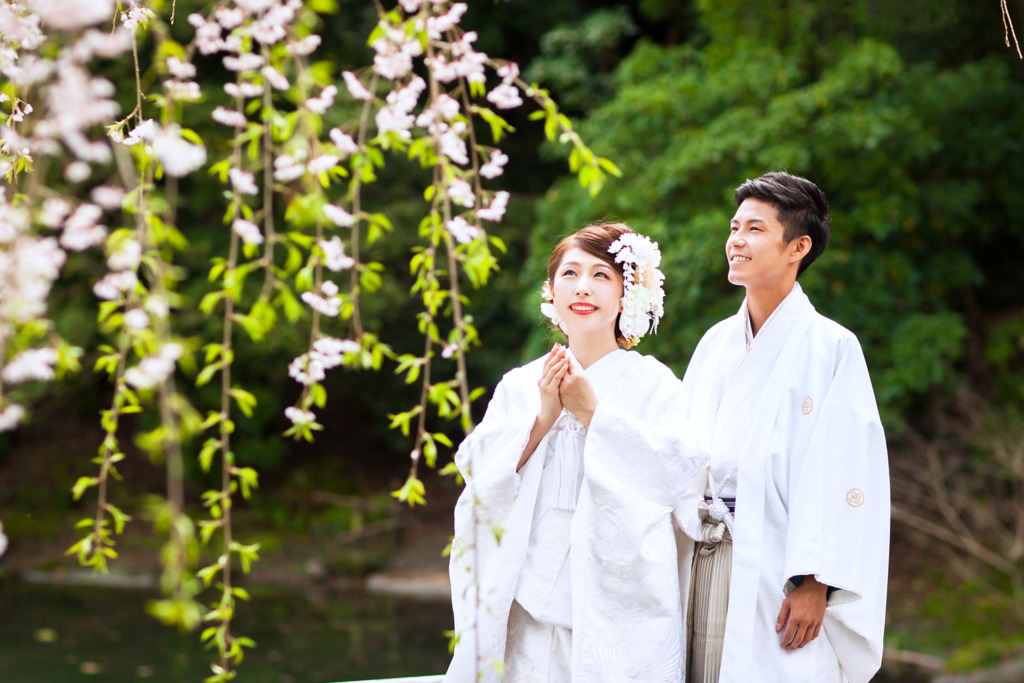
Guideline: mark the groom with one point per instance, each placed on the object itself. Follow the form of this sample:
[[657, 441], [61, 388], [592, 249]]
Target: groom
[[797, 522]]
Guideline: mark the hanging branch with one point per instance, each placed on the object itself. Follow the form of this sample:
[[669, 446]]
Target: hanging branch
[[1008, 28]]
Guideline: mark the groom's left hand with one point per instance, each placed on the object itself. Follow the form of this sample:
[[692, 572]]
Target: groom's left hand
[[802, 613]]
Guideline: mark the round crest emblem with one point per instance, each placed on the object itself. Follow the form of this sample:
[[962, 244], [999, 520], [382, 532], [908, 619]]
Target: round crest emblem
[[808, 405], [855, 497]]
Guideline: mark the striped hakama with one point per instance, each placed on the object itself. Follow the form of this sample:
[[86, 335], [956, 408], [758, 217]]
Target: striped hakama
[[709, 603]]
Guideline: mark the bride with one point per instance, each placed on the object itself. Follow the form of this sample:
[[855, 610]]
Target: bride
[[572, 536]]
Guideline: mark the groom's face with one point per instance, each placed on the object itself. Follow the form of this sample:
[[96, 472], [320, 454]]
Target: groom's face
[[757, 253]]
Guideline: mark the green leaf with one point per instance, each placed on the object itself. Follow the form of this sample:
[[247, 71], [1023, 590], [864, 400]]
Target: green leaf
[[412, 492], [80, 487], [245, 400]]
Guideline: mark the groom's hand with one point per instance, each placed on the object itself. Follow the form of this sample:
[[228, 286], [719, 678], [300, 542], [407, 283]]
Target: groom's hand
[[801, 615]]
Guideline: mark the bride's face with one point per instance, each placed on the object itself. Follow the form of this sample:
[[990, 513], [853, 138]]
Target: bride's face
[[587, 292]]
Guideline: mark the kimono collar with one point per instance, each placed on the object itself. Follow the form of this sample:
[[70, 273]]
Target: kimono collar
[[595, 367], [748, 328]]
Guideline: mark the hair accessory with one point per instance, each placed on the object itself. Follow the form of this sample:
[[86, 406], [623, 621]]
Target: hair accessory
[[548, 308], [643, 299]]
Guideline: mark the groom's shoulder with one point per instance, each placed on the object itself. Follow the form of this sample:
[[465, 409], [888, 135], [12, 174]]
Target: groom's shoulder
[[827, 328]]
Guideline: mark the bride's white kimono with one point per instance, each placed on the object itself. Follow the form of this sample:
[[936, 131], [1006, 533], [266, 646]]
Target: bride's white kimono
[[629, 561], [795, 414]]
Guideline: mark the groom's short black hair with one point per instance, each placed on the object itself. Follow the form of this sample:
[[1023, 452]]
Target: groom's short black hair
[[800, 206]]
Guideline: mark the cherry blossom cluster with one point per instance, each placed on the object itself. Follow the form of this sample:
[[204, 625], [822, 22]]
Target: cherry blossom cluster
[[451, 58], [327, 353], [69, 106]]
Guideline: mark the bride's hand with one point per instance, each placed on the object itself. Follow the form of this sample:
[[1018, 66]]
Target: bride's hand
[[555, 368], [577, 394]]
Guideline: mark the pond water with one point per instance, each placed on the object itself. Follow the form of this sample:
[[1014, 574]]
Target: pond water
[[55, 633]]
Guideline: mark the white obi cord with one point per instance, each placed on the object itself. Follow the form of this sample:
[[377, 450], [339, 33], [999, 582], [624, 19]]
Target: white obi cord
[[570, 440], [717, 509]]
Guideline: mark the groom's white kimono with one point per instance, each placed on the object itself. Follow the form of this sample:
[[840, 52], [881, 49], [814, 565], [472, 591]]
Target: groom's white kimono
[[629, 562], [795, 413]]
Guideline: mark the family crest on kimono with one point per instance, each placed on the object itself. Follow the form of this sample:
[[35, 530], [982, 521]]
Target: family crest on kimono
[[789, 579], [573, 536]]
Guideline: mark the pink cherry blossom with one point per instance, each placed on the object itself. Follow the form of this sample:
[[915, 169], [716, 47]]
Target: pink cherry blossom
[[229, 17], [275, 78], [244, 62], [73, 15], [509, 72], [345, 144], [208, 40], [394, 53], [323, 102], [127, 257], [136, 16], [77, 172], [304, 47], [229, 117], [322, 164], [460, 192], [178, 156], [255, 6], [243, 90], [299, 417], [55, 210], [355, 87], [339, 216], [113, 285], [453, 146], [393, 120], [329, 346], [334, 255], [461, 230], [496, 210], [106, 44], [327, 303], [437, 26], [136, 319], [306, 371], [108, 196], [155, 369], [81, 230], [248, 231], [9, 419], [185, 91], [287, 169], [505, 96], [30, 365], [243, 182], [443, 70], [495, 166], [157, 306]]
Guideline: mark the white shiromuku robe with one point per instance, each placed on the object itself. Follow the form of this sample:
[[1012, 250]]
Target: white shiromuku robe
[[629, 539], [796, 414]]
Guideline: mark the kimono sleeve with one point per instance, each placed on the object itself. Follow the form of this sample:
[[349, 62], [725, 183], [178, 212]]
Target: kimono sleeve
[[629, 569], [491, 452], [839, 516], [654, 460], [492, 524]]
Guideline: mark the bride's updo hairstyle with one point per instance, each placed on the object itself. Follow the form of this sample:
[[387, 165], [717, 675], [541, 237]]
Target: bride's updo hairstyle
[[595, 239]]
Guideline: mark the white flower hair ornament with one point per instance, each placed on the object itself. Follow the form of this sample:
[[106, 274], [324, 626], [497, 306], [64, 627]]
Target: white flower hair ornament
[[643, 298], [548, 308]]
